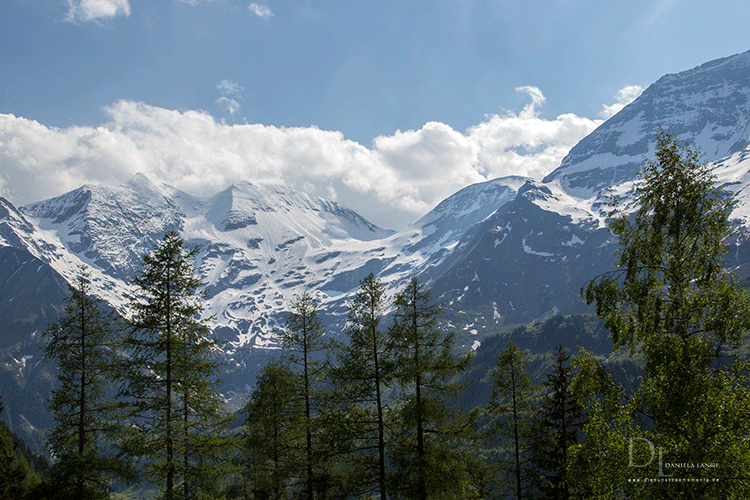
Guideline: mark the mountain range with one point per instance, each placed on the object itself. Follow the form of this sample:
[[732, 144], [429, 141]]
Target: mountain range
[[497, 254]]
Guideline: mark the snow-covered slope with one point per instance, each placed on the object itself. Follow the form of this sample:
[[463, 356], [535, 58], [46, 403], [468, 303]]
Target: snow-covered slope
[[497, 253], [260, 245], [254, 241], [531, 258], [708, 106]]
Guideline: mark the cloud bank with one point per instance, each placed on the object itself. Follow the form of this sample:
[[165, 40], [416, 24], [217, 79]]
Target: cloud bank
[[392, 183]]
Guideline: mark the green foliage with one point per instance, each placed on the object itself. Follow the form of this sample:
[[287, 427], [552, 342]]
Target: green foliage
[[16, 477], [670, 280], [302, 339], [511, 408], [362, 376], [171, 378], [555, 428], [600, 462], [84, 343], [671, 301], [432, 440], [273, 434]]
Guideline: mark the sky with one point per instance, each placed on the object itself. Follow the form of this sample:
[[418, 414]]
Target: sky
[[386, 107]]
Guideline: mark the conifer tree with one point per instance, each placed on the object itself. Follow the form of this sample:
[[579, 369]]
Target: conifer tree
[[428, 450], [302, 339], [361, 378], [555, 429], [172, 376], [511, 407], [84, 343], [274, 434], [16, 477]]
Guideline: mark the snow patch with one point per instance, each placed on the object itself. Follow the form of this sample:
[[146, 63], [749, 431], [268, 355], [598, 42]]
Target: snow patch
[[530, 251]]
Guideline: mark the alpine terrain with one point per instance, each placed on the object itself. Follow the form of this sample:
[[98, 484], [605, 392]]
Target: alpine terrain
[[504, 252]]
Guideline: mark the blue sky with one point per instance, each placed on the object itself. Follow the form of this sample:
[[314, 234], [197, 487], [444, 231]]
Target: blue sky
[[384, 106]]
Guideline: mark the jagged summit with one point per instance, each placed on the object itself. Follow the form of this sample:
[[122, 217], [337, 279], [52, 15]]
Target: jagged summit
[[708, 105]]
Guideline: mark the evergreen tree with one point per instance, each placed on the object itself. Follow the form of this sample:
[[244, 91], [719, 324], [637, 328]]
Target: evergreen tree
[[361, 378], [172, 377], [84, 344], [302, 338], [430, 448], [671, 301], [513, 397], [16, 477], [274, 434], [555, 429]]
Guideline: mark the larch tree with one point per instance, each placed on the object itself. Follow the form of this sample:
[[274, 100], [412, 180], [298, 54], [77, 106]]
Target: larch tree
[[428, 449], [511, 407], [84, 343], [171, 380], [302, 339], [273, 434], [361, 378]]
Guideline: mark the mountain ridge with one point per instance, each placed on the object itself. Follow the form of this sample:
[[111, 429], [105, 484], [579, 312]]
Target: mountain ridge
[[497, 254]]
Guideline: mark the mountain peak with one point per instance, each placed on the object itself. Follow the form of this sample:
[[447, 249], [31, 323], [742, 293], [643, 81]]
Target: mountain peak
[[708, 105]]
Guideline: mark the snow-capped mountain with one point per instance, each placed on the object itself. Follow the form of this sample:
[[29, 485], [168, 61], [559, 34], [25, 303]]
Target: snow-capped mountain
[[260, 245], [531, 257], [708, 106], [504, 252]]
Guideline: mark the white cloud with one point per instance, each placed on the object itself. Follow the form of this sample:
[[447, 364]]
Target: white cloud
[[230, 87], [260, 10], [624, 96], [392, 183], [231, 92], [95, 10], [228, 104], [537, 98], [526, 144]]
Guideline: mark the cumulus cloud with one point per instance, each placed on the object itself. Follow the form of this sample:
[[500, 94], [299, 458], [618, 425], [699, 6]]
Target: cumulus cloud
[[96, 10], [392, 182], [260, 10], [525, 143], [624, 96], [537, 98]]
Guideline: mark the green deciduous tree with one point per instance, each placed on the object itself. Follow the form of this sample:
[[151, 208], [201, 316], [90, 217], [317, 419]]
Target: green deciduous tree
[[172, 377], [511, 407], [84, 343], [600, 462], [671, 301], [430, 447]]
